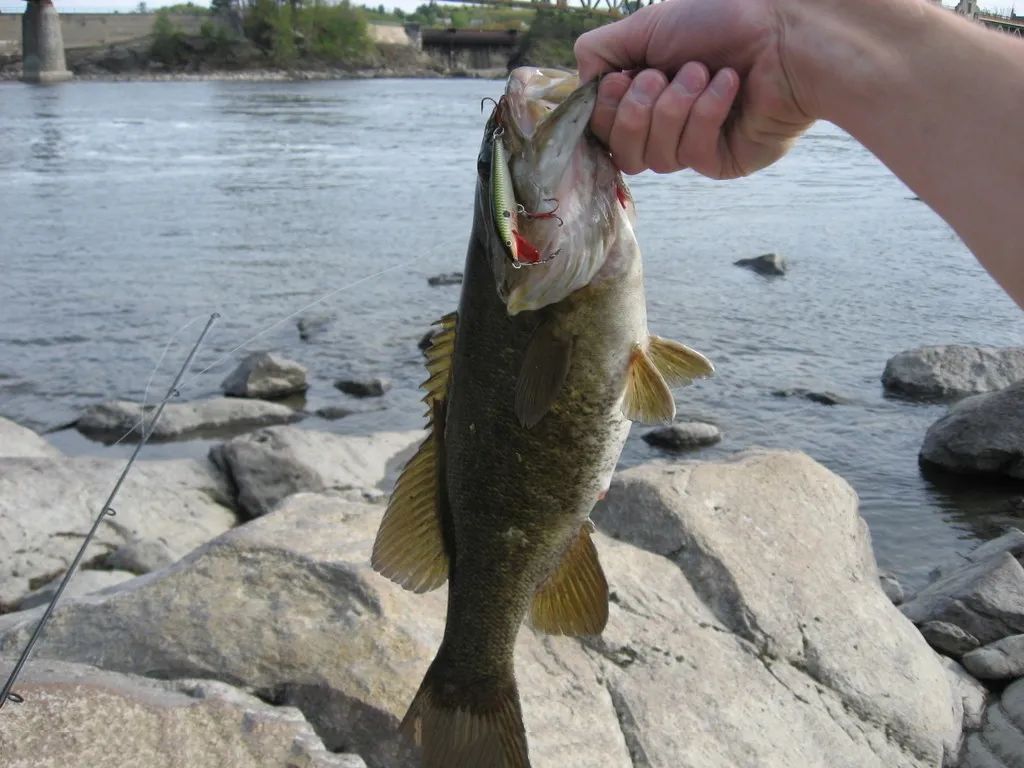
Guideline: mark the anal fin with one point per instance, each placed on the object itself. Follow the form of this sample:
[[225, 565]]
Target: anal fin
[[648, 399], [574, 599], [676, 362]]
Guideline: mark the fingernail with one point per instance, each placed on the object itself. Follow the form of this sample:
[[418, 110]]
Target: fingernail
[[693, 78], [721, 83], [647, 89]]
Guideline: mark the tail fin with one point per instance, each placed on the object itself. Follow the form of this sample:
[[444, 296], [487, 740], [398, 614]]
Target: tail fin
[[460, 724]]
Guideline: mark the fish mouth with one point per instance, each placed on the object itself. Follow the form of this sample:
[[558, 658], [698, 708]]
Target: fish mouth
[[547, 107]]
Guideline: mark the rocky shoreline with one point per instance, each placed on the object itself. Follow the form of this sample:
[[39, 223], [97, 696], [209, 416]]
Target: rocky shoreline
[[228, 615]]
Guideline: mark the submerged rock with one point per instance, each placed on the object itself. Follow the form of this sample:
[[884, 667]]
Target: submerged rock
[[769, 264], [447, 278], [983, 434], [271, 464], [267, 376], [731, 650], [78, 715], [683, 436], [953, 371], [370, 387], [19, 441], [113, 420], [822, 398], [312, 326]]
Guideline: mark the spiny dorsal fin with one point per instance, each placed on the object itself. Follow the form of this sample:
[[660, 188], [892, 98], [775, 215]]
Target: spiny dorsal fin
[[410, 546], [545, 366], [574, 599], [676, 362], [648, 399]]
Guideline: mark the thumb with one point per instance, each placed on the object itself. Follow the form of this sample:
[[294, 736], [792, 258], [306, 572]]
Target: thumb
[[613, 47]]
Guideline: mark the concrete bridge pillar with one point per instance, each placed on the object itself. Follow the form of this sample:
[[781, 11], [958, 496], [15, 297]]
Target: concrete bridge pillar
[[42, 44]]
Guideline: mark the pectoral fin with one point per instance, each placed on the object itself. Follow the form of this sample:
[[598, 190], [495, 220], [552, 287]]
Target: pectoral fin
[[676, 362], [648, 399], [574, 599], [545, 366]]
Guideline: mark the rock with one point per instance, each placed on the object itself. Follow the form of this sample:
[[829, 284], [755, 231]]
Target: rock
[[371, 387], [683, 436], [312, 326], [273, 463], [447, 278], [110, 421], [267, 376], [822, 398], [182, 503], [427, 338], [984, 599], [968, 698], [948, 638], [1001, 660], [892, 588], [334, 412], [1000, 742], [140, 556], [732, 653], [80, 715], [769, 264], [18, 441], [952, 371], [82, 583], [983, 434]]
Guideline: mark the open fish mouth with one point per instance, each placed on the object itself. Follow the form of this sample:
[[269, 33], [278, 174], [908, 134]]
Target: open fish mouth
[[533, 93]]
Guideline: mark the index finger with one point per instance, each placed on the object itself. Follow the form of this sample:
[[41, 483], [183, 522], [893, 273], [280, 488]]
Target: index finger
[[613, 47]]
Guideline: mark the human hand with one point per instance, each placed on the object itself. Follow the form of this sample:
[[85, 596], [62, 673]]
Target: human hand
[[702, 118]]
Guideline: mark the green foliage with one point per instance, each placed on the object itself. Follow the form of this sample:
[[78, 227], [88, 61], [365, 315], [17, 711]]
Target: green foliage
[[168, 41], [219, 7], [186, 9], [551, 36], [334, 32], [284, 52]]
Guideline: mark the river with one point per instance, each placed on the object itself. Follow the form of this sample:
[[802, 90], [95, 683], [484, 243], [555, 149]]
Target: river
[[130, 211]]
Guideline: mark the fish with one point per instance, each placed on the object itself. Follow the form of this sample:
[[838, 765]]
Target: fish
[[534, 382]]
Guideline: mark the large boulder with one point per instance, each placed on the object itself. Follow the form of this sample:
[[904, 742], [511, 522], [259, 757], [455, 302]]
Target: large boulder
[[18, 441], [1000, 742], [83, 582], [952, 371], [80, 715], [1001, 660], [267, 376], [764, 641], [271, 464], [983, 434], [48, 505], [119, 419], [984, 597]]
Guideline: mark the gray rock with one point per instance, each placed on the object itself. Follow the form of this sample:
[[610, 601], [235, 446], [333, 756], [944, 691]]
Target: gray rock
[[983, 598], [141, 556], [1001, 660], [447, 278], [18, 441], [427, 338], [334, 412], [948, 638], [82, 583], [822, 398], [182, 503], [110, 421], [792, 676], [266, 375], [271, 464], [683, 436], [312, 326], [1000, 742], [370, 387], [983, 434], [80, 715], [953, 371], [892, 588], [968, 699], [769, 264]]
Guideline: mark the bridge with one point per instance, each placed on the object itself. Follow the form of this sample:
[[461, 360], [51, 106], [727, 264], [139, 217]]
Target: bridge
[[42, 44], [471, 48]]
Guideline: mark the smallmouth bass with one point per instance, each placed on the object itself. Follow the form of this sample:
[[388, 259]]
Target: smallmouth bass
[[533, 384]]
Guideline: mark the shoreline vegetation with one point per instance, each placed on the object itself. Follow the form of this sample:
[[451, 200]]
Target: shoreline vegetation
[[267, 40]]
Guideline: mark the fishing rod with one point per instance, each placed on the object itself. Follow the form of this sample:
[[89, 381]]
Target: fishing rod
[[7, 694]]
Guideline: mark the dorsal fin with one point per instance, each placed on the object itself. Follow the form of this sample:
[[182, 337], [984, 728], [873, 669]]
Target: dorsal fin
[[574, 599], [410, 547], [545, 366], [648, 399], [676, 362]]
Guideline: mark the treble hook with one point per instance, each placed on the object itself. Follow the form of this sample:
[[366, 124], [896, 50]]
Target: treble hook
[[487, 98]]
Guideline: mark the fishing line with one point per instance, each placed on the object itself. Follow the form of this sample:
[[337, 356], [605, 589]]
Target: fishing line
[[106, 511]]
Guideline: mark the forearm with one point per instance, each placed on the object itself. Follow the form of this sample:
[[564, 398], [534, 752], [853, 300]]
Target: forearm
[[939, 100]]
